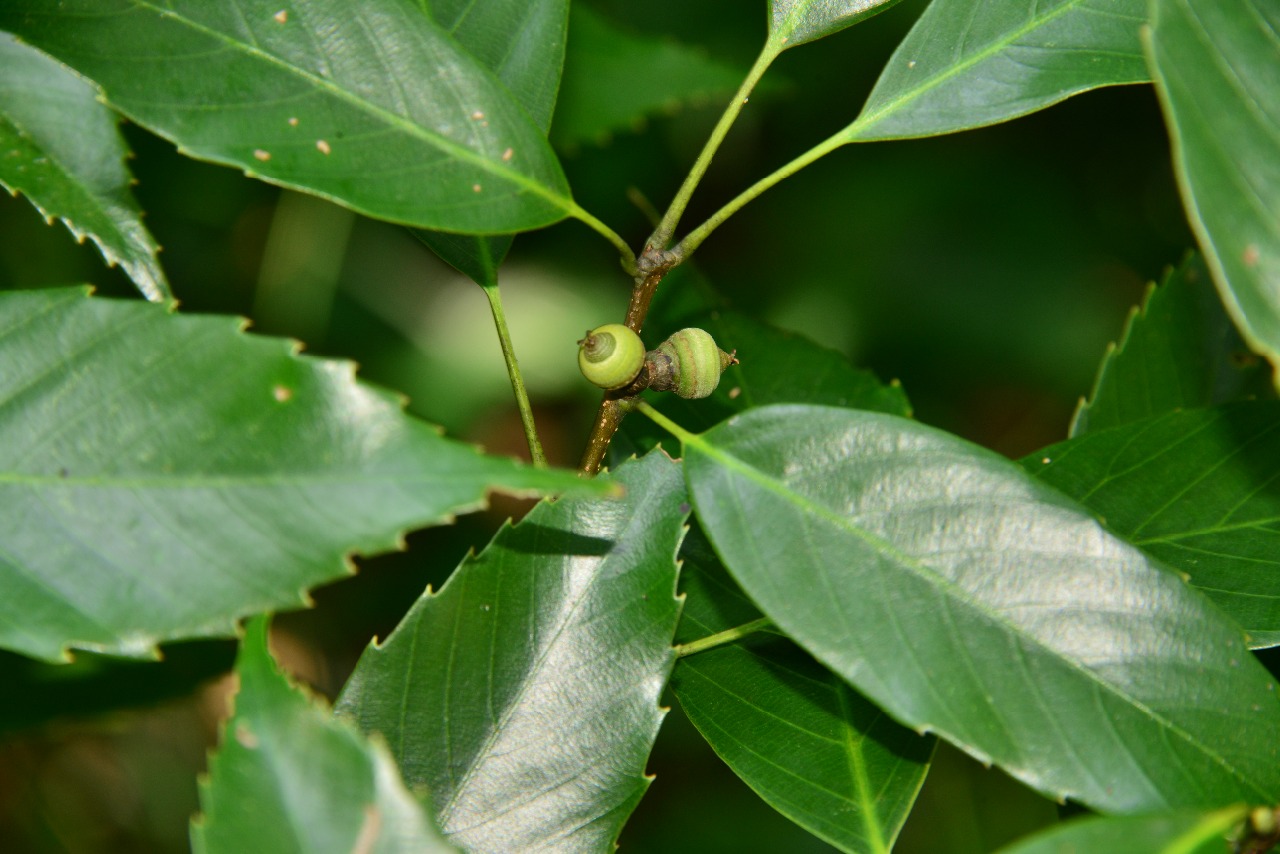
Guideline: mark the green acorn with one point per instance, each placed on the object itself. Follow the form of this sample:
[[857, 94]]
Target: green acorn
[[611, 356], [688, 363]]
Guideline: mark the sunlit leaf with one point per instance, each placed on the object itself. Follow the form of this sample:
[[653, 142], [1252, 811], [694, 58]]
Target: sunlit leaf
[[966, 598], [60, 147], [288, 777], [1219, 82], [796, 22], [1178, 351], [967, 64], [1192, 489], [524, 695], [163, 474], [791, 729], [370, 104]]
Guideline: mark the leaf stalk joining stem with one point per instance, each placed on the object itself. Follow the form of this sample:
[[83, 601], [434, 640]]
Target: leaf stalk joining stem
[[727, 636], [661, 236], [517, 379]]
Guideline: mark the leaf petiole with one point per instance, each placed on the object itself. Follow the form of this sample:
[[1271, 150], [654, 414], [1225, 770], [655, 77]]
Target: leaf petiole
[[627, 257], [667, 227], [727, 636], [513, 371], [694, 239], [664, 422]]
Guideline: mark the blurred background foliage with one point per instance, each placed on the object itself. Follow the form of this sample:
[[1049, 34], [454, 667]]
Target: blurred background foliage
[[986, 270]]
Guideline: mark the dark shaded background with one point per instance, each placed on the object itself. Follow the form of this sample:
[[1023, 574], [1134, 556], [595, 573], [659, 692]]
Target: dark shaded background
[[986, 270]]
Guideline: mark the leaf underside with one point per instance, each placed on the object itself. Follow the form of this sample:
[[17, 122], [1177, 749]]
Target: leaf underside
[[1219, 83]]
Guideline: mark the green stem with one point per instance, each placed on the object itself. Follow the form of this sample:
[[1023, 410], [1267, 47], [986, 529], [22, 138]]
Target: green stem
[[513, 371], [667, 227], [721, 638], [664, 422], [694, 239], [628, 257]]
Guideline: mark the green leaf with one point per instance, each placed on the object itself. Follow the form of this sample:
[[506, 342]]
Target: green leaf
[[62, 149], [163, 474], [288, 777], [966, 598], [1193, 489], [370, 104], [475, 256], [791, 729], [1178, 351], [797, 22], [524, 695], [522, 42], [1219, 83], [1182, 832], [775, 366], [614, 79], [966, 64]]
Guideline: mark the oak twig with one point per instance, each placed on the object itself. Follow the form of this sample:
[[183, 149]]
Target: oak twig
[[652, 265]]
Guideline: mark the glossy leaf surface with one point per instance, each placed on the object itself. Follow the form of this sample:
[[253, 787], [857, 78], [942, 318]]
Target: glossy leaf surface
[[1219, 82], [1196, 490], [1183, 832], [1178, 351], [796, 22], [615, 79], [790, 728], [62, 150], [966, 64], [524, 695], [288, 777], [163, 474], [966, 598], [371, 105], [522, 42]]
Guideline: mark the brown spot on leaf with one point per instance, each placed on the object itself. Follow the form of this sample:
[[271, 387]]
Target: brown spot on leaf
[[246, 736]]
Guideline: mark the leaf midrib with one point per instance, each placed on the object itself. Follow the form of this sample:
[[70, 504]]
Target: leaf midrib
[[925, 573]]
